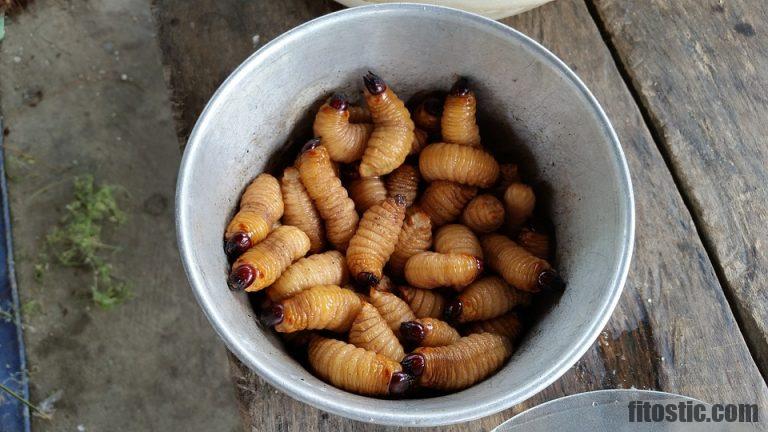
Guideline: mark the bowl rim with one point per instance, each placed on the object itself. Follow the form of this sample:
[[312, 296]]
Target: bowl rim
[[473, 411]]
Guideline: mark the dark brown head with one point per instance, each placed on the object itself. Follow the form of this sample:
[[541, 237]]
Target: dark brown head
[[413, 332], [414, 364], [338, 102], [272, 315], [460, 87], [237, 245], [241, 277], [374, 84], [550, 281], [453, 310], [367, 279], [400, 383], [310, 145]]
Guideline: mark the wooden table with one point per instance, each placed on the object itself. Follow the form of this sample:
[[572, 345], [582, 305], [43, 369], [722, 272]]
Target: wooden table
[[685, 83]]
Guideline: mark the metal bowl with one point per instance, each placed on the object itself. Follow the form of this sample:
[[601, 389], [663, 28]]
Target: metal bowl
[[532, 107]]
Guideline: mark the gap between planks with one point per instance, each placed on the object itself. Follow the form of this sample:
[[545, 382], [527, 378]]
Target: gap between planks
[[651, 123]]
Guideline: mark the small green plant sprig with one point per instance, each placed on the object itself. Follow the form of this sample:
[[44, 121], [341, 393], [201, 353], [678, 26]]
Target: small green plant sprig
[[77, 241]]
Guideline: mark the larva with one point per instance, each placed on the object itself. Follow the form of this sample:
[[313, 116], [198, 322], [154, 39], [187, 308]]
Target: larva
[[322, 307], [424, 303], [535, 242], [356, 369], [404, 181], [330, 197], [484, 214], [426, 115], [262, 264], [484, 299], [432, 270], [457, 239], [443, 201], [508, 325], [370, 331], [517, 266], [392, 136], [299, 210], [420, 140], [428, 332], [519, 202], [327, 268], [393, 309], [375, 239], [415, 237], [458, 122], [344, 140], [366, 192], [458, 163], [260, 207], [469, 360], [359, 114]]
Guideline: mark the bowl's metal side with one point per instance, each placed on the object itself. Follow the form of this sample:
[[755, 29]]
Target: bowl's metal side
[[603, 411], [578, 156]]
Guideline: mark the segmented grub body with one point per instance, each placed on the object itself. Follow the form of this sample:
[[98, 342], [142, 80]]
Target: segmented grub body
[[393, 309], [459, 164], [366, 192], [486, 298], [517, 266], [262, 264], [375, 239], [351, 368], [458, 123], [466, 362], [443, 201], [327, 268], [371, 331], [432, 270], [457, 239], [415, 237], [508, 325], [392, 136], [329, 196], [484, 214], [429, 332], [323, 307], [404, 181], [300, 211], [424, 303], [260, 207], [519, 203], [344, 139]]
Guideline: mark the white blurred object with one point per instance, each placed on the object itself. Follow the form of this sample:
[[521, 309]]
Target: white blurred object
[[496, 9]]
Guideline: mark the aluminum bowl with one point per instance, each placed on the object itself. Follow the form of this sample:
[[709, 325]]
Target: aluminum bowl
[[532, 107]]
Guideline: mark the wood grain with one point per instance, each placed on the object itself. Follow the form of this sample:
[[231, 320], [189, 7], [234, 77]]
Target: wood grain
[[204, 40], [700, 70], [673, 329]]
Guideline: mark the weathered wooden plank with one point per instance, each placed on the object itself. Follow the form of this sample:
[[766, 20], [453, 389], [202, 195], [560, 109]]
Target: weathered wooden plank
[[656, 338], [701, 72], [203, 41]]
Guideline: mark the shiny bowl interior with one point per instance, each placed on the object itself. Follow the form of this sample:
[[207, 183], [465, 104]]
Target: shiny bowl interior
[[533, 109]]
